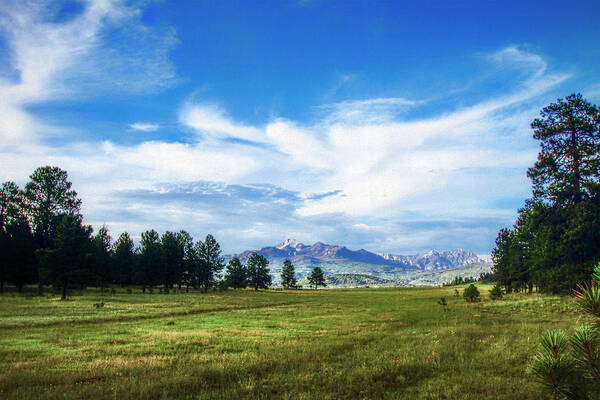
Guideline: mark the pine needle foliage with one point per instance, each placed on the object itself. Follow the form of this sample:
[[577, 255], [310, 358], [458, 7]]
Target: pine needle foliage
[[569, 367], [471, 294]]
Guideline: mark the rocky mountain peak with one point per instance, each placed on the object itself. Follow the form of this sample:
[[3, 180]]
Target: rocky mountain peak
[[290, 243]]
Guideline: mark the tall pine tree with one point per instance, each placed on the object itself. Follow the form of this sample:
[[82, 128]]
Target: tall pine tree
[[258, 273], [236, 274], [288, 281]]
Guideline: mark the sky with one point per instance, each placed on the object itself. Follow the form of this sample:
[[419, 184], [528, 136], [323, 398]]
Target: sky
[[391, 126]]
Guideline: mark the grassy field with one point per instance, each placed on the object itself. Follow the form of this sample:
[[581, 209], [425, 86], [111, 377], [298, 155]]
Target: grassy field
[[356, 343]]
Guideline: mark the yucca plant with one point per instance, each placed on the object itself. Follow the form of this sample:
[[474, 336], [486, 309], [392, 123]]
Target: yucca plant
[[569, 368]]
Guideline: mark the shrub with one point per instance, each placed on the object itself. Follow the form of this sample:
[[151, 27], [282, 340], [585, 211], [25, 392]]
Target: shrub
[[444, 303], [496, 292], [569, 368], [471, 294]]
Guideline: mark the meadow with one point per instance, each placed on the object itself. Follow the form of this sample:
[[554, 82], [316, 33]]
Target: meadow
[[327, 344]]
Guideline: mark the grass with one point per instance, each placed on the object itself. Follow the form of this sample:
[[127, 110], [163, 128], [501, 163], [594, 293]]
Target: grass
[[326, 344]]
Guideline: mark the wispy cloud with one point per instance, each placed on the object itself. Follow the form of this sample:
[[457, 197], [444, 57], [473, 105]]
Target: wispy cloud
[[144, 126], [78, 57], [210, 120], [368, 111]]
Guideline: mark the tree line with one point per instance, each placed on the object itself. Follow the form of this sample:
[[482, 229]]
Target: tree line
[[43, 240], [555, 241]]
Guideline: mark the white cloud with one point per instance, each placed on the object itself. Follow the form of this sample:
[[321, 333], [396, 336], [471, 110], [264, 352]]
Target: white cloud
[[371, 111], [144, 126], [210, 119], [381, 164]]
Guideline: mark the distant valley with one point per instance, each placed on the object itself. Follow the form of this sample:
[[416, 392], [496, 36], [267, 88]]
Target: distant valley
[[350, 268]]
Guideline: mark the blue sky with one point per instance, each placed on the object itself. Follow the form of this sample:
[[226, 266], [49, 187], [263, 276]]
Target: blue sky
[[391, 126]]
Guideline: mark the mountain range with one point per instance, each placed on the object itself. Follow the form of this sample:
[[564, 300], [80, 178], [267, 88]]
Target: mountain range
[[336, 259]]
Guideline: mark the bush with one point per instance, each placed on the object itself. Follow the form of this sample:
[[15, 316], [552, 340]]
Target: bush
[[471, 294], [496, 292], [444, 303], [569, 368]]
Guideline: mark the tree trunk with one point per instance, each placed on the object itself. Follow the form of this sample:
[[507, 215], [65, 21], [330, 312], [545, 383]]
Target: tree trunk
[[1, 287], [576, 166], [530, 287]]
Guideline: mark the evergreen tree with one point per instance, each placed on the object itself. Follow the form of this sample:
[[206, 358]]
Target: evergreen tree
[[151, 260], [101, 265], [210, 262], [316, 278], [188, 274], [555, 239], [48, 196], [11, 203], [18, 263], [258, 273], [66, 263], [173, 257], [568, 167], [11, 206], [123, 260], [471, 294], [496, 292], [235, 274], [288, 281]]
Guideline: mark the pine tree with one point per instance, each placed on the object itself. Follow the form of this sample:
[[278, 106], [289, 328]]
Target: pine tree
[[236, 274], [101, 265], [210, 262], [174, 253], [48, 196], [151, 260], [471, 294], [288, 281], [188, 276], [316, 278], [123, 259], [18, 263], [66, 263], [11, 213], [258, 273], [568, 167]]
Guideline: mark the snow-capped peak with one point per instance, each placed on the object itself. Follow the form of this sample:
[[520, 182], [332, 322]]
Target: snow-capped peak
[[289, 243]]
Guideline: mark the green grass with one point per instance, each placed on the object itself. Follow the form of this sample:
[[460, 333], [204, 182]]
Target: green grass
[[357, 343]]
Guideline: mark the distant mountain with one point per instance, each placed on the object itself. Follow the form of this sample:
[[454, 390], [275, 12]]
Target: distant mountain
[[409, 278], [433, 260], [354, 280], [335, 259]]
